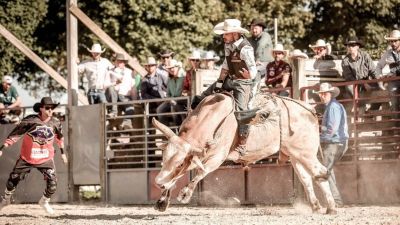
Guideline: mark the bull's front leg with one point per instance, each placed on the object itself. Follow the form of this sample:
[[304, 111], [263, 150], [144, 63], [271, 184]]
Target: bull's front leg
[[186, 193], [163, 203]]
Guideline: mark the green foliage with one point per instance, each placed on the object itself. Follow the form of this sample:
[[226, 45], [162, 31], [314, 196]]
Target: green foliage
[[144, 27]]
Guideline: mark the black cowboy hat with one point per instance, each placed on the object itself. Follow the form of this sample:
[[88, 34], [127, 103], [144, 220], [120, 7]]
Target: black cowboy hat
[[166, 53], [354, 40], [258, 22], [45, 101]]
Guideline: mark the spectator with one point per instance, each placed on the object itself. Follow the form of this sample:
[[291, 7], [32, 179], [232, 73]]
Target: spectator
[[194, 61], [121, 87], [153, 85], [322, 50], [10, 101], [39, 131], [96, 71], [262, 44], [162, 71], [209, 60], [279, 72], [391, 57], [334, 134], [174, 89], [358, 65]]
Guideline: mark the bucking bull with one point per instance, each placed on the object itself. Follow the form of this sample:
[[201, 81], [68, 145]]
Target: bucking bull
[[209, 133]]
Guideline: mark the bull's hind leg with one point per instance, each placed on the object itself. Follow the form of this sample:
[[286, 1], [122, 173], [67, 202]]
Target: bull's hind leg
[[209, 166], [306, 179], [319, 174]]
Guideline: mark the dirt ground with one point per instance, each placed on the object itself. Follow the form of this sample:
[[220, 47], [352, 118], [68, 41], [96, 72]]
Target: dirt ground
[[111, 214]]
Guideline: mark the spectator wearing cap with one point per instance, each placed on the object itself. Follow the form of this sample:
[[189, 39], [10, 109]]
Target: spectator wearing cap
[[194, 61], [391, 57], [174, 89], [334, 134], [358, 65], [279, 72], [10, 101], [322, 50], [95, 71], [209, 59]]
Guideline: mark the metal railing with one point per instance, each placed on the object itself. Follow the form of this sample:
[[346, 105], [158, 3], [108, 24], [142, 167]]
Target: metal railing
[[374, 134]]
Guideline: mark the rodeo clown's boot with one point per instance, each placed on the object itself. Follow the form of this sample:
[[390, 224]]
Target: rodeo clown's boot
[[6, 200], [44, 203]]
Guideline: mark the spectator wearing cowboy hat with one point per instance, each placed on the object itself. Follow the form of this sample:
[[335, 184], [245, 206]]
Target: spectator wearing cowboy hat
[[120, 89], [174, 89], [391, 57], [261, 42], [96, 70], [279, 72], [322, 50], [237, 73], [334, 134], [358, 65], [209, 59], [297, 53], [39, 132], [10, 101], [194, 61]]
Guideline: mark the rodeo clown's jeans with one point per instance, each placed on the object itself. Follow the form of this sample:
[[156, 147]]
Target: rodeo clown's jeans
[[333, 152]]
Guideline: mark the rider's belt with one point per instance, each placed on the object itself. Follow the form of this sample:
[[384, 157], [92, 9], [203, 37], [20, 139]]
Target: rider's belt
[[96, 90]]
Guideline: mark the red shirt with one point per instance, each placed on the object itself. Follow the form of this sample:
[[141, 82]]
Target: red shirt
[[274, 69], [38, 138], [187, 82]]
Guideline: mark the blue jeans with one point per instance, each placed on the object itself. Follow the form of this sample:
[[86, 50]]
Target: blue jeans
[[333, 152], [96, 96]]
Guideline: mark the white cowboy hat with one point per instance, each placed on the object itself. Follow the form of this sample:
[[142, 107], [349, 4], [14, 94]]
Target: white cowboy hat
[[96, 48], [279, 48], [150, 61], [327, 87], [174, 63], [195, 55], [210, 56], [230, 26], [319, 43], [394, 35], [298, 54], [7, 79]]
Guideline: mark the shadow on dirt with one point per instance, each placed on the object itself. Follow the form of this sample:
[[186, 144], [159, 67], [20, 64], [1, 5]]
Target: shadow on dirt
[[112, 217]]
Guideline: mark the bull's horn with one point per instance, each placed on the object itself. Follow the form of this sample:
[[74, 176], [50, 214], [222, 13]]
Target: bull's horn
[[198, 163], [164, 129], [197, 151]]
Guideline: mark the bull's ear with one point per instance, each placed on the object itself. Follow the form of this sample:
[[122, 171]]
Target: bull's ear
[[164, 129], [198, 162]]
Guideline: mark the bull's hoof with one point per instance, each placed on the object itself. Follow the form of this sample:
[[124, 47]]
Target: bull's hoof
[[184, 195], [161, 205], [330, 211]]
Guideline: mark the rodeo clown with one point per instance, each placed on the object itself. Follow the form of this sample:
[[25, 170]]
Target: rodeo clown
[[39, 132]]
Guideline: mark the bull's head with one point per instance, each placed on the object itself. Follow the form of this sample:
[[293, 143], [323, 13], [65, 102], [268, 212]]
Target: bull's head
[[178, 154]]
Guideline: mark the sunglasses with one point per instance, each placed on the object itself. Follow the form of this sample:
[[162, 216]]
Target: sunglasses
[[392, 41], [279, 53], [166, 57], [195, 60], [352, 45], [48, 107]]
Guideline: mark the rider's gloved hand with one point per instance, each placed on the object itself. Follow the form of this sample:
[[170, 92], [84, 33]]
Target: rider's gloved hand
[[218, 86]]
